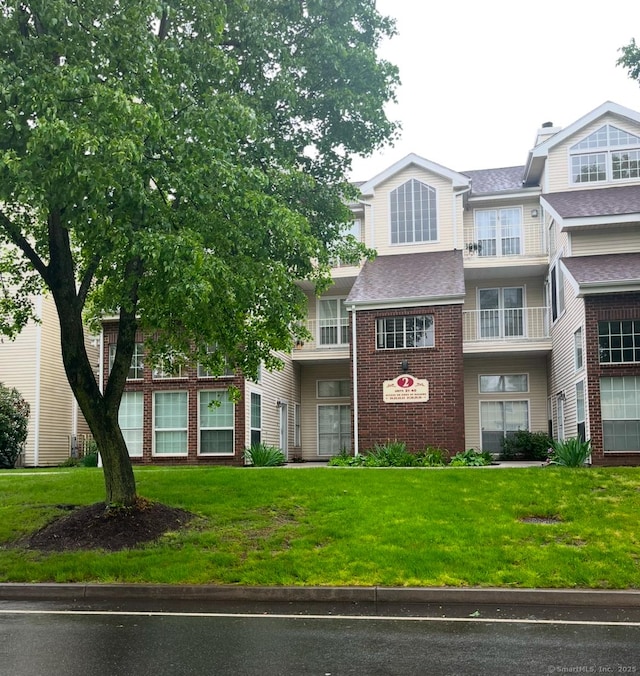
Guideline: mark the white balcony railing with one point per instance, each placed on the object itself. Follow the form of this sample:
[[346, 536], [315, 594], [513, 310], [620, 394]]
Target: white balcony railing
[[512, 324], [526, 240], [327, 334]]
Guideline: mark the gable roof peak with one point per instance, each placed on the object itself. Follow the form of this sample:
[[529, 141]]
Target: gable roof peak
[[459, 180]]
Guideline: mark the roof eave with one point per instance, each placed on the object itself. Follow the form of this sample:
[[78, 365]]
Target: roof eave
[[395, 303]]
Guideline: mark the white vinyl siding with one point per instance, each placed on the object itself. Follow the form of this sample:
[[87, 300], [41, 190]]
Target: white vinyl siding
[[606, 240]]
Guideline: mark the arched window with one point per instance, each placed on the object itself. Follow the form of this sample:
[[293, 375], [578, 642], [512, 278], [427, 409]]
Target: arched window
[[413, 213], [608, 154]]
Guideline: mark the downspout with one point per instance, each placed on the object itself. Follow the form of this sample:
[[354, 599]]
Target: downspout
[[355, 379], [36, 403], [455, 217], [101, 374]]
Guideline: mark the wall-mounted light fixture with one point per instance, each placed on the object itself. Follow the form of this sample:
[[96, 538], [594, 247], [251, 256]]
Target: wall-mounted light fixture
[[404, 365], [534, 213], [561, 396]]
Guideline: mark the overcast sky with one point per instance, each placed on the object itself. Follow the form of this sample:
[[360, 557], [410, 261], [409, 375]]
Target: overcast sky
[[480, 77]]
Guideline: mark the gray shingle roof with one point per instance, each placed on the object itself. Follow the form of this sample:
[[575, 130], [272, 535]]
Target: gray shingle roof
[[416, 276], [606, 268], [624, 199], [495, 180]]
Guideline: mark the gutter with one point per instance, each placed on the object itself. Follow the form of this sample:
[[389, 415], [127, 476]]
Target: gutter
[[36, 403]]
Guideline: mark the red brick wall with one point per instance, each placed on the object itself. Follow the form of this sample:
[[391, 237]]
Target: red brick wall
[[606, 308], [192, 384], [438, 422]]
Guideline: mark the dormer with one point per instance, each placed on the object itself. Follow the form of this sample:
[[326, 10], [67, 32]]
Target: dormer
[[414, 205], [601, 148]]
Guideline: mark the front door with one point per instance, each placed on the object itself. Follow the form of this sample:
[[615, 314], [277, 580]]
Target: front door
[[501, 312]]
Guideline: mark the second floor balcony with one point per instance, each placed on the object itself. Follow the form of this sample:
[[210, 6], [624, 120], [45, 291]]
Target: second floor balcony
[[517, 329], [329, 339]]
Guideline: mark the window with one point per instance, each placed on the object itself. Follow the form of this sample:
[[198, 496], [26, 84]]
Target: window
[[560, 408], [136, 369], [580, 414], [130, 421], [577, 350], [499, 419], [334, 389], [256, 418], [204, 372], [617, 157], [507, 383], [405, 332], [333, 323], [170, 423], [170, 366], [216, 422], [501, 312], [297, 425], [499, 231], [413, 213], [620, 407], [556, 291], [334, 429], [619, 341]]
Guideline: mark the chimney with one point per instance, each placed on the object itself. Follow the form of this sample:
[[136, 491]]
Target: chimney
[[547, 130]]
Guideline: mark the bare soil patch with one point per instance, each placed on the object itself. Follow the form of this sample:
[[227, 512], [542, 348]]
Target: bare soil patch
[[96, 527]]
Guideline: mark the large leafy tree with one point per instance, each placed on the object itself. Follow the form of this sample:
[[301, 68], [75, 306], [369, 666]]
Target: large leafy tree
[[179, 163]]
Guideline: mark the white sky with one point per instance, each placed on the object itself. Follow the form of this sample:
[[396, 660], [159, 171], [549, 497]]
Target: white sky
[[479, 77]]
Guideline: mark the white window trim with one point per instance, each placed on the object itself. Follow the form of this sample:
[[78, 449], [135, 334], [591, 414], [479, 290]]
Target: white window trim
[[503, 400], [331, 346], [332, 380], [141, 428], [112, 355], [520, 208], [503, 392], [423, 242], [578, 369], [297, 425], [318, 407], [153, 426], [405, 317], [525, 314], [233, 429], [250, 428]]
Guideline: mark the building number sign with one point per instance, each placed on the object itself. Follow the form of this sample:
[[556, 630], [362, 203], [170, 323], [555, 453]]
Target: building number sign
[[405, 389]]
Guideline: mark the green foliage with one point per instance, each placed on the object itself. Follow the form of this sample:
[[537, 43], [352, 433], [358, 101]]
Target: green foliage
[[345, 459], [89, 459], [391, 454], [432, 457], [528, 445], [14, 419], [261, 455], [180, 164], [571, 452], [471, 458]]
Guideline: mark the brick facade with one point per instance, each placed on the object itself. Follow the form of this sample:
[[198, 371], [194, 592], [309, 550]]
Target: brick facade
[[192, 384], [609, 307], [438, 422]]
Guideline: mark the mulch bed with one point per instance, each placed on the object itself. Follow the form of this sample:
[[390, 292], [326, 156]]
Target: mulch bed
[[95, 527]]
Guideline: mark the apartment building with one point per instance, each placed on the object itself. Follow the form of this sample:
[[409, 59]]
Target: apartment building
[[32, 363], [500, 299]]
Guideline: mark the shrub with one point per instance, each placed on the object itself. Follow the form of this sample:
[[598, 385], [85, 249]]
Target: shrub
[[472, 458], [14, 418], [345, 459], [261, 455], [570, 452], [432, 457], [391, 454], [530, 445]]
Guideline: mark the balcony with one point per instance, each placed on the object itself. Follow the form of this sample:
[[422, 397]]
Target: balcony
[[523, 246], [513, 329], [329, 340]]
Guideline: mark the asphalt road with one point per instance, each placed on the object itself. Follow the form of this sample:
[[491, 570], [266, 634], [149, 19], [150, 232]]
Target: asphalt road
[[38, 639]]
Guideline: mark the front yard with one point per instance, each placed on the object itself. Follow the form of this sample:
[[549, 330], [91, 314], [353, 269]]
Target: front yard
[[534, 527]]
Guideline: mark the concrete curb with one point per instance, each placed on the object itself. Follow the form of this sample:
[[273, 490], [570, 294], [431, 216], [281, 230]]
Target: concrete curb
[[361, 595]]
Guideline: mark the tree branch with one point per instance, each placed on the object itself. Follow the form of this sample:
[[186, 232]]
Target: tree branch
[[85, 285], [15, 235]]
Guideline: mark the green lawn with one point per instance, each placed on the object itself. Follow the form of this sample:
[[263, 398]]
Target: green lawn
[[335, 526]]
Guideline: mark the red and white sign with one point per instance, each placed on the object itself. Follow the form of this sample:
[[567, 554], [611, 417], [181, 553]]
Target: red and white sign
[[405, 389]]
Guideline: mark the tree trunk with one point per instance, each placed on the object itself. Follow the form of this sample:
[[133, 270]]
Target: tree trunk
[[100, 410]]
